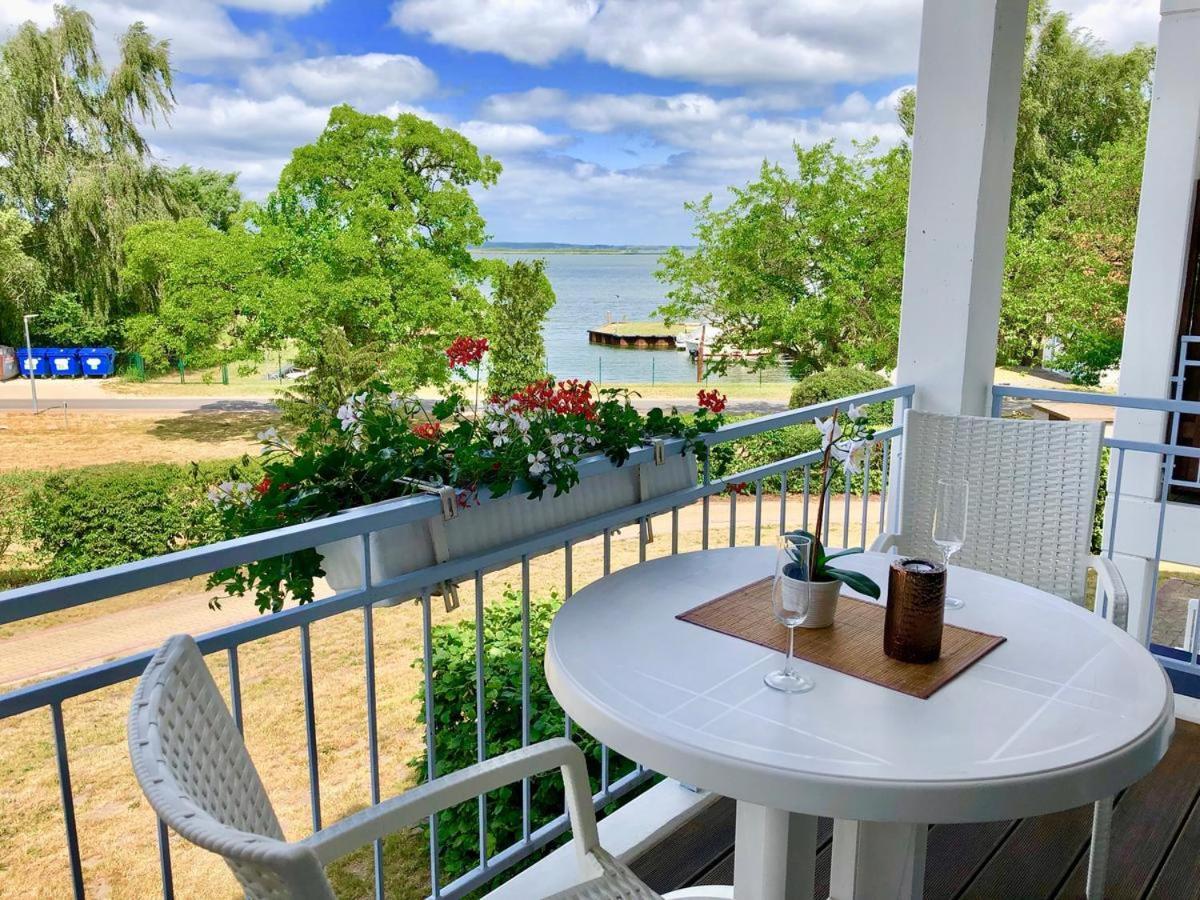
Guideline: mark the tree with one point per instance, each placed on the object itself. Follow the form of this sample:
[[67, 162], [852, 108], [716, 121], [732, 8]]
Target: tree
[[1068, 276], [373, 221], [74, 161], [805, 266], [203, 295], [205, 194], [21, 276], [521, 298]]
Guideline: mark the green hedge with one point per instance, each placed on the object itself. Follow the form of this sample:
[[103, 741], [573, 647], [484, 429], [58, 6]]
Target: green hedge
[[843, 381], [84, 519], [453, 652]]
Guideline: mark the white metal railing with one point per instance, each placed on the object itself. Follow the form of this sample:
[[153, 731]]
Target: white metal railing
[[39, 599], [1182, 665]]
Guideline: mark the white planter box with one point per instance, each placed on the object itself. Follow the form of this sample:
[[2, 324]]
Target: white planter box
[[418, 545]]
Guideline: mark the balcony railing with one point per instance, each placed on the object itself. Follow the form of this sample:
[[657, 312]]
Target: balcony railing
[[1159, 473], [858, 523]]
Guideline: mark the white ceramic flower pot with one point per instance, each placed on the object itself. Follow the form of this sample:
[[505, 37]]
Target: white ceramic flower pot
[[418, 545], [823, 599]]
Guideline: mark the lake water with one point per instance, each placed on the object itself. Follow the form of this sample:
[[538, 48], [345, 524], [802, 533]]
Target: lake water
[[593, 288]]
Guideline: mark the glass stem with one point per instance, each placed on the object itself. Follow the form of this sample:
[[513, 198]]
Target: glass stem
[[787, 666]]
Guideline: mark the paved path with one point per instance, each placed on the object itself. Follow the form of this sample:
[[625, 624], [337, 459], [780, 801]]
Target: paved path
[[118, 404]]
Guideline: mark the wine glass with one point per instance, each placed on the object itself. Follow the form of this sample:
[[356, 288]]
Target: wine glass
[[790, 601], [950, 524]]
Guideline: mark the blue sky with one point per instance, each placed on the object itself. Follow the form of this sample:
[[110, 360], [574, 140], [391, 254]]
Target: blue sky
[[607, 115]]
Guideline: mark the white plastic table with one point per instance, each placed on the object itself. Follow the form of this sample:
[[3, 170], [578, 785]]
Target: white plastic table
[[1067, 711]]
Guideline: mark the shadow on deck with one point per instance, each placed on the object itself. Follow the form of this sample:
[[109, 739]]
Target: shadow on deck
[[1155, 845]]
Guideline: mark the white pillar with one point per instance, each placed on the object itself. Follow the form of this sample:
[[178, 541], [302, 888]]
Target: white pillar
[[1156, 285], [968, 89]]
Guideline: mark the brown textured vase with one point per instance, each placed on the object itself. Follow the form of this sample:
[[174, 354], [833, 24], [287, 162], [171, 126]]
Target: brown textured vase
[[912, 627]]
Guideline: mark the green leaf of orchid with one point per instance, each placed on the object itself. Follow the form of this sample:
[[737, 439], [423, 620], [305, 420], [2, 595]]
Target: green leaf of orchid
[[856, 581]]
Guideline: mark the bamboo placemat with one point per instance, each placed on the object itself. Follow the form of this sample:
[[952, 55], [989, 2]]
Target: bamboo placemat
[[853, 644]]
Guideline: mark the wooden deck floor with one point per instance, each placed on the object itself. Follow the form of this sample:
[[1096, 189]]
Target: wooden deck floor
[[1155, 845]]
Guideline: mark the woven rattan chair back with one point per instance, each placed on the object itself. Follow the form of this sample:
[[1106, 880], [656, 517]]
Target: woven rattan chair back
[[1032, 495], [193, 767]]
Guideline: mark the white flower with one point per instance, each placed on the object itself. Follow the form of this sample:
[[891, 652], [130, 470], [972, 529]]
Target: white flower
[[537, 463], [830, 430], [269, 435], [394, 400], [856, 412], [521, 422], [851, 456], [499, 440]]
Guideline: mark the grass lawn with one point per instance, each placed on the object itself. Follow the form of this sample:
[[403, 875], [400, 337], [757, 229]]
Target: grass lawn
[[89, 437]]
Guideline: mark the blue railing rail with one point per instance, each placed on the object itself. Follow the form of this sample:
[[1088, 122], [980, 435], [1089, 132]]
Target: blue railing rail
[[1167, 452], [65, 593]]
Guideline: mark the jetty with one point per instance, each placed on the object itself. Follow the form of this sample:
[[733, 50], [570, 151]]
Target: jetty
[[637, 335]]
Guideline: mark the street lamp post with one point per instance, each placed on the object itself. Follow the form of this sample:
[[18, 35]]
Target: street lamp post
[[30, 367]]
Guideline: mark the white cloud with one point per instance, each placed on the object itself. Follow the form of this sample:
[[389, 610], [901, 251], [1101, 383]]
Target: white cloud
[[370, 80], [710, 41], [508, 138], [1118, 23], [529, 31]]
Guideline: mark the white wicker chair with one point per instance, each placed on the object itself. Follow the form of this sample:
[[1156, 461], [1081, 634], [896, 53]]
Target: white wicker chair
[[1031, 509], [194, 769]]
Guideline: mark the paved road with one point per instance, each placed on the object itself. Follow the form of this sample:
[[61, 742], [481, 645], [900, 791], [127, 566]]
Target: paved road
[[211, 404], [171, 404]]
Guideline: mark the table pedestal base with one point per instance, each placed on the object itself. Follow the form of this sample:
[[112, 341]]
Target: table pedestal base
[[775, 854], [873, 860]]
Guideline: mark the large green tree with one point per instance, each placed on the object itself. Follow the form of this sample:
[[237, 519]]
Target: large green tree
[[75, 165], [809, 265], [21, 276], [805, 264]]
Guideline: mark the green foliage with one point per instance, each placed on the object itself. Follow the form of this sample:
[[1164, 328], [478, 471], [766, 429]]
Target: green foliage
[[1075, 99], [455, 721], [368, 232], [521, 299], [806, 266], [85, 519], [203, 293], [379, 442], [205, 194], [64, 321], [843, 381], [1067, 273], [15, 519], [75, 163], [336, 370], [22, 278]]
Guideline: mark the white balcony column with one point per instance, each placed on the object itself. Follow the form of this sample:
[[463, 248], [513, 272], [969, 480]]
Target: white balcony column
[[1169, 177], [968, 90]]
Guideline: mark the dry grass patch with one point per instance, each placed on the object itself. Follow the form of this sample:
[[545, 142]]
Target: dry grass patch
[[90, 437]]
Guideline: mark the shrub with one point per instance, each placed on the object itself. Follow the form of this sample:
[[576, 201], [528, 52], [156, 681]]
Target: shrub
[[89, 518], [843, 381], [453, 652]]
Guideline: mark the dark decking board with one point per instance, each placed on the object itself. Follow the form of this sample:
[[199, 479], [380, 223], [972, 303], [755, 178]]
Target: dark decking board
[[1155, 850]]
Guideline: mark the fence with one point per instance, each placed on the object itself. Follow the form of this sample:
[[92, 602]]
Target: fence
[[62, 594], [1181, 664]]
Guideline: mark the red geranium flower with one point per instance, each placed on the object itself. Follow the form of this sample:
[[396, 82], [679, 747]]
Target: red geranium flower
[[713, 401], [429, 431], [466, 351], [738, 487], [263, 486]]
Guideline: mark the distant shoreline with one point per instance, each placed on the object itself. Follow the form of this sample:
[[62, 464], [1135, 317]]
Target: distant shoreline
[[611, 249]]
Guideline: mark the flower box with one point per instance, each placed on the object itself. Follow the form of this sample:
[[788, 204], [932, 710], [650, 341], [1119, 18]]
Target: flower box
[[513, 517]]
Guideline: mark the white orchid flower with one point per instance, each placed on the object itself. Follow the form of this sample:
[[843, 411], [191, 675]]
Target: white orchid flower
[[269, 435], [830, 430], [856, 412], [851, 455]]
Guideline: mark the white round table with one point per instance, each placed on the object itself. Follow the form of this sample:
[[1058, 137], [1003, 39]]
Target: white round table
[[1068, 710]]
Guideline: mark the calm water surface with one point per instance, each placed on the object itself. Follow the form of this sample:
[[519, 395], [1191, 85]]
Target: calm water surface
[[592, 288]]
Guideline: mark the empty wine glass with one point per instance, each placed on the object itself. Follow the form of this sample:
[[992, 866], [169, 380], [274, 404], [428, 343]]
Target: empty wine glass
[[950, 524], [790, 601]]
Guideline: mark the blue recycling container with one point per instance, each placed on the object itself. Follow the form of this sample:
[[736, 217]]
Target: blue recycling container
[[33, 360], [97, 362], [63, 362]]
